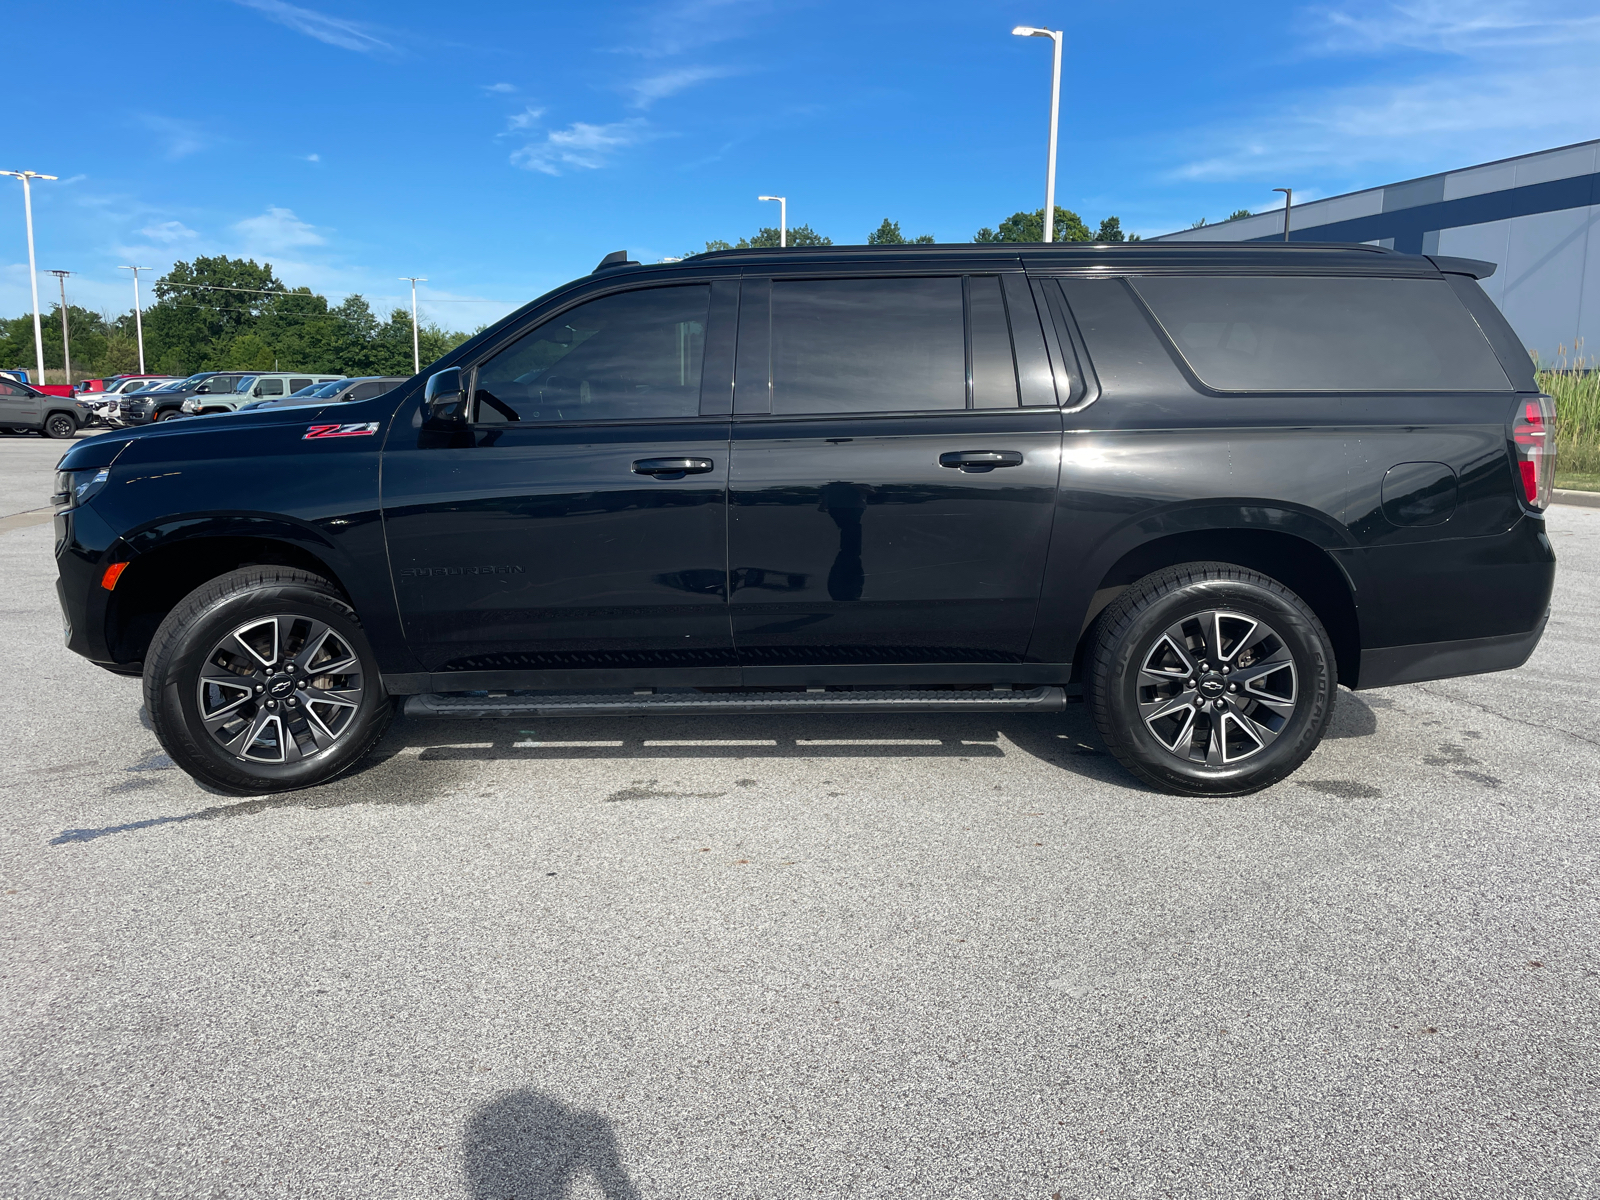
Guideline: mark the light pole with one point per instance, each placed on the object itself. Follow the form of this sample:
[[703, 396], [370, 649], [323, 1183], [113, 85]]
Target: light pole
[[66, 349], [1055, 35], [138, 320], [416, 345], [783, 218], [33, 272], [1288, 202]]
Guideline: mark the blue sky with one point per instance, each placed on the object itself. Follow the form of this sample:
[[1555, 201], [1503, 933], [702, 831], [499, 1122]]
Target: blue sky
[[501, 148]]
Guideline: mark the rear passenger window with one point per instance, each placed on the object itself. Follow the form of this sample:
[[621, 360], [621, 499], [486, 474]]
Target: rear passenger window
[[296, 384], [632, 355], [868, 345], [994, 371], [1323, 334]]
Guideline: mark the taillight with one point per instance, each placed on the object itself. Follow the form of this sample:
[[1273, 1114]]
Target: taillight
[[1533, 431]]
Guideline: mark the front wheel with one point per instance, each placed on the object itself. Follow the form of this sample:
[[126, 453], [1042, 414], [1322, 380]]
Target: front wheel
[[262, 681], [1210, 679], [171, 414], [60, 426]]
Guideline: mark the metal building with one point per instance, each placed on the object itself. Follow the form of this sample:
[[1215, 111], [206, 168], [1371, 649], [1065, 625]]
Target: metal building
[[1537, 217]]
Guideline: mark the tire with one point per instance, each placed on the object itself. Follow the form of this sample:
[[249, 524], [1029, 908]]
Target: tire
[[169, 415], [60, 426], [1180, 642], [209, 690]]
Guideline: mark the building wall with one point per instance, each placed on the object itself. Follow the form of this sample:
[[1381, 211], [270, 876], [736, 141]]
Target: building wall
[[1535, 217]]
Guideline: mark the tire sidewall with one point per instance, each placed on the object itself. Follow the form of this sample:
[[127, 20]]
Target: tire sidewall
[[56, 421], [177, 689], [1300, 632]]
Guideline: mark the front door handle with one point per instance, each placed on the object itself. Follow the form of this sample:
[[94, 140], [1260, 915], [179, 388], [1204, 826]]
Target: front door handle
[[980, 460], [673, 467]]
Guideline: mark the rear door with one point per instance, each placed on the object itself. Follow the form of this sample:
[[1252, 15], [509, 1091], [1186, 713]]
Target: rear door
[[579, 523], [896, 450]]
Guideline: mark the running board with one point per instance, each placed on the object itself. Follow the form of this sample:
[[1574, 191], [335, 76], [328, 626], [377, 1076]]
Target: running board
[[631, 704]]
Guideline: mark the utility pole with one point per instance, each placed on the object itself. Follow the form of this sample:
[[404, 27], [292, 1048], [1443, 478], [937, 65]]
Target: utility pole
[[416, 344], [783, 218], [33, 271], [66, 349], [1056, 36], [1288, 202], [138, 320]]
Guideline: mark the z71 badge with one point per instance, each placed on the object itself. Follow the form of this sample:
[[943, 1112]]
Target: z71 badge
[[363, 429]]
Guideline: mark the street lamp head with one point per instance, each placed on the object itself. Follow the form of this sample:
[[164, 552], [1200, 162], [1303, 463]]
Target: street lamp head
[[769, 197], [1030, 31], [27, 175]]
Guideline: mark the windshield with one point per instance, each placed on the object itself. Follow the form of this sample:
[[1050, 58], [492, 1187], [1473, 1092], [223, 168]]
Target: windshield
[[177, 385], [329, 389], [195, 379], [245, 383]]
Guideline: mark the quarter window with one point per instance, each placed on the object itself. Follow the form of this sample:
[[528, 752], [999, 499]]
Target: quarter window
[[1323, 334], [629, 356], [867, 345]]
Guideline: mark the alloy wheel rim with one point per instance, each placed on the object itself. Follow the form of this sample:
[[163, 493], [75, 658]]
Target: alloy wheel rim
[[280, 689], [1217, 687]]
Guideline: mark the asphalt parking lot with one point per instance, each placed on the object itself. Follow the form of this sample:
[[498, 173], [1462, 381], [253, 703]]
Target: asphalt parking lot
[[936, 956]]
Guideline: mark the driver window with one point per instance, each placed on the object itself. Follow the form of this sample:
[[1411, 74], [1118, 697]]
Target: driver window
[[628, 356]]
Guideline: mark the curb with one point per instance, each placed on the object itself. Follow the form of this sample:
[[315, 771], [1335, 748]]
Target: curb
[[1572, 496]]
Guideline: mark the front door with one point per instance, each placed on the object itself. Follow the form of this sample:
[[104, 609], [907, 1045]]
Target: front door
[[894, 474], [18, 405], [579, 522]]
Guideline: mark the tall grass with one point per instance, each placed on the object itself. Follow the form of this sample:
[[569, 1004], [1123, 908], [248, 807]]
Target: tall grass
[[1574, 383]]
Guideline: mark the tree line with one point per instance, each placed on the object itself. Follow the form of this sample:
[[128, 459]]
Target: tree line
[[220, 313], [1018, 227]]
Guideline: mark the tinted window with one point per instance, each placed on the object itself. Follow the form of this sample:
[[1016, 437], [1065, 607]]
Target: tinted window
[[1274, 334], [632, 355], [994, 371], [272, 387], [867, 345], [366, 391], [296, 384]]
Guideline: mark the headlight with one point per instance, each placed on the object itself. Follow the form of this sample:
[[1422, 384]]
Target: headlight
[[190, 405], [78, 487]]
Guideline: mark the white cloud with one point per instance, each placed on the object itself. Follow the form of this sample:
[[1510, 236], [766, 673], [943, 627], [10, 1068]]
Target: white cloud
[[658, 87], [182, 138], [528, 118], [313, 158], [335, 31], [276, 230], [1516, 79], [1449, 26], [502, 88], [168, 232], [580, 145]]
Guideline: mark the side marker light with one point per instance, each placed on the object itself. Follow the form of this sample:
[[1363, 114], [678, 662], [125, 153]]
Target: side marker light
[[113, 573]]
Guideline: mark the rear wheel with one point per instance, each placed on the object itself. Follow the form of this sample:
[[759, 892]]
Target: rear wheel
[[1210, 679], [262, 681], [60, 425]]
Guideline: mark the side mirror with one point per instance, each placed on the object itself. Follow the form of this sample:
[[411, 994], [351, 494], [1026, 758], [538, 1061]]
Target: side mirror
[[256, 391], [446, 396]]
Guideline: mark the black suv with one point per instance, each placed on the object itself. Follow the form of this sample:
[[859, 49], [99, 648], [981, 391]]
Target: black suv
[[1200, 484]]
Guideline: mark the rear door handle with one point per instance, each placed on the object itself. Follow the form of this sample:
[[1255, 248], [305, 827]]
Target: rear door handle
[[980, 460], [672, 466]]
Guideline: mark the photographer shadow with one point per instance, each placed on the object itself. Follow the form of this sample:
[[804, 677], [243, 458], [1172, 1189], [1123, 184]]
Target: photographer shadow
[[528, 1145]]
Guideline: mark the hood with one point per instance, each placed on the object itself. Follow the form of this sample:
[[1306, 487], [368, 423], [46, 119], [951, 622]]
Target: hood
[[104, 449]]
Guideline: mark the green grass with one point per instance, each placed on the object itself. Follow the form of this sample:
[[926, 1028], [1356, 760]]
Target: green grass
[[1577, 397]]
